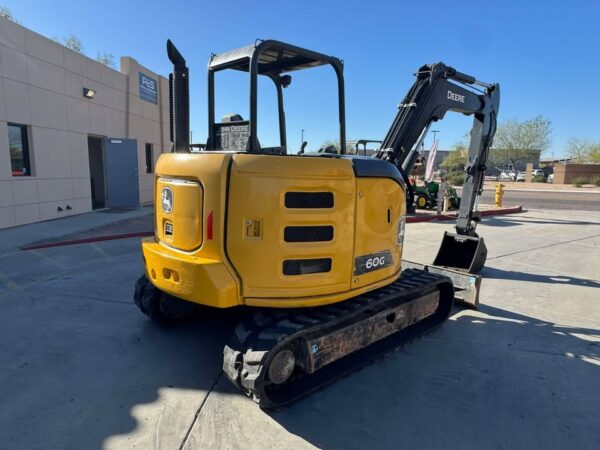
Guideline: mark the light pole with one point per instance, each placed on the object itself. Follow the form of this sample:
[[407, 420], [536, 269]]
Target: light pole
[[302, 138], [435, 132]]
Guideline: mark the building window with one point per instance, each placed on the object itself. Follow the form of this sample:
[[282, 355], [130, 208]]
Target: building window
[[149, 158], [18, 145]]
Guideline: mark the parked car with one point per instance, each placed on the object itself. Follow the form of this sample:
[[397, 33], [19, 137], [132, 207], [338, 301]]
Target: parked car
[[506, 176], [537, 172], [550, 178], [520, 176]]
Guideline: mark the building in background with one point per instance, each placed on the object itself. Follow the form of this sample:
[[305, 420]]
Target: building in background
[[74, 134]]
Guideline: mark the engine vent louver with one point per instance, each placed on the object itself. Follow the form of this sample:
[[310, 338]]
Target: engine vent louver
[[309, 199], [306, 266], [308, 233]]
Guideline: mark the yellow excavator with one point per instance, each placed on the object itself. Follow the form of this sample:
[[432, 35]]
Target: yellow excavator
[[312, 242]]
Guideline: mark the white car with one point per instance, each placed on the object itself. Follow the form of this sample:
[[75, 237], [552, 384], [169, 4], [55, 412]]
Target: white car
[[537, 172], [550, 178], [520, 176], [506, 176]]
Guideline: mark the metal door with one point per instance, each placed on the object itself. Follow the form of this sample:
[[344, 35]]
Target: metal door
[[121, 173]]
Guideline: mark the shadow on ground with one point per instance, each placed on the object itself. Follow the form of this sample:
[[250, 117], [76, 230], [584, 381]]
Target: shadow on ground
[[82, 367], [506, 221], [76, 379], [501, 381], [493, 272], [77, 357]]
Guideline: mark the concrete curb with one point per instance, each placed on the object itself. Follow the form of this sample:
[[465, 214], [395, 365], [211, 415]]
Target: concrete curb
[[114, 237], [90, 240], [484, 213]]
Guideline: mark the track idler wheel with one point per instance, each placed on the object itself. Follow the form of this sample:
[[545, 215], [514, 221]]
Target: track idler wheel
[[281, 367], [161, 308]]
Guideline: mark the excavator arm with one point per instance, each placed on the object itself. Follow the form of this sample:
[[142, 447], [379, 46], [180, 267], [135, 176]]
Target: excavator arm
[[437, 90]]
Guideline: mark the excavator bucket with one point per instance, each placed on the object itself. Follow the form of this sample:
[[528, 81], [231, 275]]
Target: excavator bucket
[[464, 253]]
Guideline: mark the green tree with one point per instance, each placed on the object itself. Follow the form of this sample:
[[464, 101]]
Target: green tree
[[583, 150], [454, 163], [456, 160], [6, 13], [74, 43], [533, 134], [520, 140], [106, 58], [595, 154]]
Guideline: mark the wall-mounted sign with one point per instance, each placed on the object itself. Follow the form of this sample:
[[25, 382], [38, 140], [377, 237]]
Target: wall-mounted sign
[[148, 89]]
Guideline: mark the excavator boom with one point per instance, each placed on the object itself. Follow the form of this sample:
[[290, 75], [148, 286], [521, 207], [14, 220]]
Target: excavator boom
[[437, 90]]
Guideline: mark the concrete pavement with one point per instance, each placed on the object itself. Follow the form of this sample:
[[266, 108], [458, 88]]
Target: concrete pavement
[[82, 368]]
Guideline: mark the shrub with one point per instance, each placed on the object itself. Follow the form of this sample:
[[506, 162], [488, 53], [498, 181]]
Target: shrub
[[580, 181], [596, 180], [539, 179], [455, 178]]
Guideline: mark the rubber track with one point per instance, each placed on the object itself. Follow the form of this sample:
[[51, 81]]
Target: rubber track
[[263, 334]]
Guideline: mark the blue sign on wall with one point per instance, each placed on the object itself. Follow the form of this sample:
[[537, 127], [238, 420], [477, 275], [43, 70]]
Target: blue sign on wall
[[148, 89]]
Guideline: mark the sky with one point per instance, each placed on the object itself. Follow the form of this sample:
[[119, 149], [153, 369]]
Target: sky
[[544, 54]]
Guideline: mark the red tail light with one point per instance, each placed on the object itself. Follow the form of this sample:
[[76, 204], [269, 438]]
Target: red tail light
[[209, 226]]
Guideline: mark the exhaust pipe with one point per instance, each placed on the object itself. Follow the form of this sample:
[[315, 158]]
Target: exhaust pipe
[[179, 100], [460, 252]]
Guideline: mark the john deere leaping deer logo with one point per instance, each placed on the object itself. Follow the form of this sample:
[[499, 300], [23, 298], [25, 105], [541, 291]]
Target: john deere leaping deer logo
[[167, 200]]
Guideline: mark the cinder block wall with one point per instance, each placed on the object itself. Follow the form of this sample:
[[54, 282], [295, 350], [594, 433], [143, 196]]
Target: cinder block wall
[[565, 173]]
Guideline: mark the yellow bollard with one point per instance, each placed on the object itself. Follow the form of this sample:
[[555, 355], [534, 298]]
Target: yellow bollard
[[499, 195]]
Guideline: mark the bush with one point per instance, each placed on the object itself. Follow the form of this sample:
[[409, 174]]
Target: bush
[[455, 178], [596, 180], [539, 179], [580, 181]]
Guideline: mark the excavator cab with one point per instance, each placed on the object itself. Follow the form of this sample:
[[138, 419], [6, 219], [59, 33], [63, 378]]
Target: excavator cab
[[274, 60]]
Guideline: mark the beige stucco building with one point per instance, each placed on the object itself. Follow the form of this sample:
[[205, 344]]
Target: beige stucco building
[[57, 107]]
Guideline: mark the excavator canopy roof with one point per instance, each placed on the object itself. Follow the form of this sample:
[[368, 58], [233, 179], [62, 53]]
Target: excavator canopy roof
[[271, 57]]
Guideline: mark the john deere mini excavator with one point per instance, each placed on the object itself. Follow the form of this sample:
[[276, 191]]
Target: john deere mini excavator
[[313, 242]]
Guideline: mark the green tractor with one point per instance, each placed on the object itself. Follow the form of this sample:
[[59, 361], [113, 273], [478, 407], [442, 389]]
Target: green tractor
[[426, 196]]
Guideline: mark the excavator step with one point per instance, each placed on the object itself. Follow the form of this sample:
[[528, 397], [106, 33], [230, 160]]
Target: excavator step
[[279, 356]]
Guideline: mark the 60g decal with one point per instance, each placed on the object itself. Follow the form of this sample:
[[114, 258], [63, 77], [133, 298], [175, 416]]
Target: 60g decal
[[374, 261]]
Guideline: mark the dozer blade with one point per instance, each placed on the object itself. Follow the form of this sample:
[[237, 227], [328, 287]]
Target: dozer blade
[[464, 253], [466, 285], [280, 356]]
